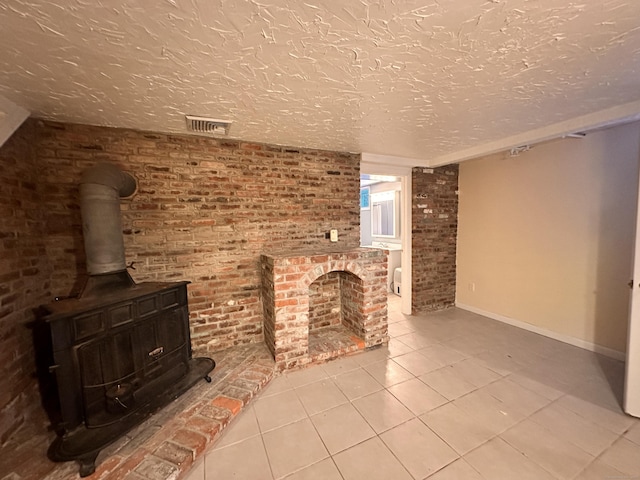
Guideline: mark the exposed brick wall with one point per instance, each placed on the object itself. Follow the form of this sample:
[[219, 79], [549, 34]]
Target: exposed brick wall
[[24, 277], [325, 306], [335, 299], [204, 211], [353, 299], [434, 230]]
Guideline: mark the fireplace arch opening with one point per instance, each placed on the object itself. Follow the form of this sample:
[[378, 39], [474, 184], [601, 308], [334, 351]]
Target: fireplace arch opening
[[335, 314]]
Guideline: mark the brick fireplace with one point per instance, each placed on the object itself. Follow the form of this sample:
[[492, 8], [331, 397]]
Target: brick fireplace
[[318, 306], [206, 210]]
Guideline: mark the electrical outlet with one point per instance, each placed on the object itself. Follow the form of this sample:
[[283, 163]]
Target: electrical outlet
[[333, 235], [472, 287]]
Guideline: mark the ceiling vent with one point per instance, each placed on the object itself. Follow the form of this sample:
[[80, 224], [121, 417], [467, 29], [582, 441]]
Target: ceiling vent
[[208, 125]]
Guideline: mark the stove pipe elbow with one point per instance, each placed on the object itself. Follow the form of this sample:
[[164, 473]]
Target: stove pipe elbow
[[101, 188]]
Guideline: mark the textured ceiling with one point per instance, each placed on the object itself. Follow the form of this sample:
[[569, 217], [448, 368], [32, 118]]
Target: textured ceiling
[[419, 79]]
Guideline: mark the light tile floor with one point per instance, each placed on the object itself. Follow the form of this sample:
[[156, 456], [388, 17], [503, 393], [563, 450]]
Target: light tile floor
[[454, 396]]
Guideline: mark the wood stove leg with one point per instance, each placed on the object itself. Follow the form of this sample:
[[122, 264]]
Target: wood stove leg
[[207, 377], [88, 464]]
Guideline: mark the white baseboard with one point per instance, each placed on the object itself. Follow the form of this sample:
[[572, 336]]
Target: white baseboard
[[576, 342]]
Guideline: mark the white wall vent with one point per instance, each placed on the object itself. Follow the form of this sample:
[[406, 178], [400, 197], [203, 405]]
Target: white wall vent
[[208, 125]]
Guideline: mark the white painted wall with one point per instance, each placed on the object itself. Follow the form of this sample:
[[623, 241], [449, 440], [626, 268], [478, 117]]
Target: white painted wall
[[545, 239]]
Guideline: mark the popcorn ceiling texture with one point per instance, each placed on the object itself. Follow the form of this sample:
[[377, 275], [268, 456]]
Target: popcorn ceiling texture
[[410, 78]]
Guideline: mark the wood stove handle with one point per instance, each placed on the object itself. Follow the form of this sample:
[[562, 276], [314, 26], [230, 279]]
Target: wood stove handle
[[156, 351]]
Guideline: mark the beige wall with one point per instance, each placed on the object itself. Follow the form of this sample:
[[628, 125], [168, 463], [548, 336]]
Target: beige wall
[[545, 238]]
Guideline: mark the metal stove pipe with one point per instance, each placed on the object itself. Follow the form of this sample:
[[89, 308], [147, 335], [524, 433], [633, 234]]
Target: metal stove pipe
[[101, 187]]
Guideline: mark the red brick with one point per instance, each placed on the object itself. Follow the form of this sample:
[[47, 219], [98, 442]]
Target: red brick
[[125, 468], [192, 440], [205, 425], [175, 454], [231, 404]]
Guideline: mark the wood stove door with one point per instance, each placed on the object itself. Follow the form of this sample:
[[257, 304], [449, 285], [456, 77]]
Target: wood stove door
[[164, 354], [107, 371], [128, 367]]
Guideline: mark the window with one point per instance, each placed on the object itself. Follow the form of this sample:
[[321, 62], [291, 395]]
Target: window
[[383, 218]]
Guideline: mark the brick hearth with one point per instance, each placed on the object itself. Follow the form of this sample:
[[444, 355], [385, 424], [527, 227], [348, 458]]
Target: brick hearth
[[168, 443]]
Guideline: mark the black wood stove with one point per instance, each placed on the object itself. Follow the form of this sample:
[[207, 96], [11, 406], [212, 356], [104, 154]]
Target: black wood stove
[[121, 350]]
